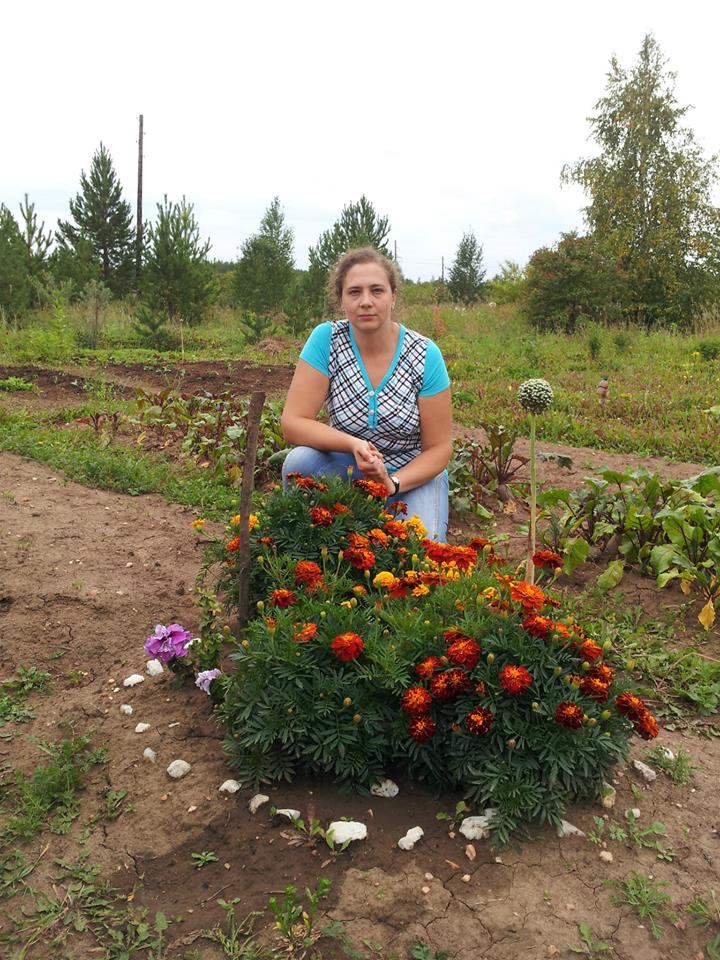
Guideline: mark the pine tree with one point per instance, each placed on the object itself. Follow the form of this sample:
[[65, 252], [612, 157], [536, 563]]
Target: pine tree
[[266, 268], [465, 282], [15, 288], [650, 209], [103, 219], [37, 241], [178, 279]]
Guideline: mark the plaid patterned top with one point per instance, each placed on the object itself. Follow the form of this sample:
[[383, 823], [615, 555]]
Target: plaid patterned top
[[388, 414]]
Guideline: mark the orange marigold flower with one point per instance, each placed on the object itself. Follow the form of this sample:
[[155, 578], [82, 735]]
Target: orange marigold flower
[[359, 590], [630, 705], [399, 506], [396, 528], [561, 629], [321, 517], [197, 524], [537, 626], [478, 543], [304, 632], [569, 715], [307, 572], [306, 483], [479, 721], [339, 508], [347, 646], [420, 590], [359, 557], [515, 679], [527, 594], [385, 579], [601, 672], [282, 598], [399, 590], [592, 687], [421, 728], [463, 557], [270, 623], [454, 634], [372, 487], [429, 666], [464, 653], [233, 544], [357, 540], [378, 536], [440, 687], [552, 602], [266, 541], [547, 560], [458, 680], [646, 725], [416, 700], [590, 650], [480, 688]]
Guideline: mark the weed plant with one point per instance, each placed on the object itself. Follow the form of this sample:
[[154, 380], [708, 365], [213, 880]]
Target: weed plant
[[648, 898]]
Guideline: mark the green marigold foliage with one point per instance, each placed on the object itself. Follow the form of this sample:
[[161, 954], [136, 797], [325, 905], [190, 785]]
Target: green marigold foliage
[[371, 647]]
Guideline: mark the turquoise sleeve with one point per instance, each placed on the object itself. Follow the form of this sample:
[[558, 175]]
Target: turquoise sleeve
[[436, 376], [316, 351]]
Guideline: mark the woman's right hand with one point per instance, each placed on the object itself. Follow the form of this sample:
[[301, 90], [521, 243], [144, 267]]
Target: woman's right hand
[[367, 457]]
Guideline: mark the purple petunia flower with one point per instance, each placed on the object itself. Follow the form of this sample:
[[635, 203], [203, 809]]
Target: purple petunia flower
[[168, 642], [205, 678]]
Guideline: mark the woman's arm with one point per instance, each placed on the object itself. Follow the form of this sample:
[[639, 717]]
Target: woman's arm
[[435, 441], [305, 397]]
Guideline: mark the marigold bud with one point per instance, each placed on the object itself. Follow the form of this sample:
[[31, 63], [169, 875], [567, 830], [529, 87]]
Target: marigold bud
[[491, 658], [260, 559], [456, 728], [535, 705], [341, 554], [386, 632], [347, 701], [512, 743], [246, 644], [323, 614], [323, 552], [606, 714], [353, 601], [630, 664], [290, 711], [557, 671], [592, 721], [585, 666], [261, 604], [226, 628], [607, 645], [426, 623], [357, 718]]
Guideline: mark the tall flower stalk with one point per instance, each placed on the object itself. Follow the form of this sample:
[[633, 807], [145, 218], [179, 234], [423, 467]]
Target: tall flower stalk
[[534, 396]]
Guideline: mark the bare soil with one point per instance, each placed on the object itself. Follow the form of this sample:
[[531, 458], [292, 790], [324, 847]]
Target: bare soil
[[84, 576]]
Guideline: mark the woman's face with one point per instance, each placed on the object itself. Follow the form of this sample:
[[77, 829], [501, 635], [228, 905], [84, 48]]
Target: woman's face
[[367, 297]]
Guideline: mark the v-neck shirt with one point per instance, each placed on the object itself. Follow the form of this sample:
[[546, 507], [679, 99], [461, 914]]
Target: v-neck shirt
[[387, 414]]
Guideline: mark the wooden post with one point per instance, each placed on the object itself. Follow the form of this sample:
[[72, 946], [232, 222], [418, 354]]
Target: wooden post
[[139, 220], [252, 435]]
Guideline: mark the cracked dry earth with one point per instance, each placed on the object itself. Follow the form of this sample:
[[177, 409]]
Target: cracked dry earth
[[84, 576]]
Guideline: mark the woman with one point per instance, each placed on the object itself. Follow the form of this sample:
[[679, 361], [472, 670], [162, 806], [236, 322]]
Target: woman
[[386, 391]]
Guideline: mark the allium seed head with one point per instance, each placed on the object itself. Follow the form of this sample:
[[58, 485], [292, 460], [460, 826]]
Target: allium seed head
[[535, 396]]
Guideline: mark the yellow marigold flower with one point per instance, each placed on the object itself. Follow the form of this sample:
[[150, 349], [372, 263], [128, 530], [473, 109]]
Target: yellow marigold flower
[[384, 579], [490, 593], [198, 524], [459, 605], [346, 604], [421, 590], [235, 520], [417, 527], [359, 589], [253, 522]]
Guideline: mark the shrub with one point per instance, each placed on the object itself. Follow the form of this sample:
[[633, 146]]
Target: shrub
[[372, 646], [709, 349]]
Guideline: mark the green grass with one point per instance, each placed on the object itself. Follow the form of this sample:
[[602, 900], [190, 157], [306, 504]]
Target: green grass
[[85, 458]]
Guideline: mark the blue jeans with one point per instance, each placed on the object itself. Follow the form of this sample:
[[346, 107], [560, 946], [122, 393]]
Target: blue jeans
[[429, 502]]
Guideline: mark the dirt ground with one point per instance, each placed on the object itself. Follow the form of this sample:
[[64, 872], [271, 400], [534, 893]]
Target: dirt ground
[[84, 576]]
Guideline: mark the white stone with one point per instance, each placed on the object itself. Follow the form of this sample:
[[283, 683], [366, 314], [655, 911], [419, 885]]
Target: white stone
[[606, 856], [634, 811], [465, 878], [477, 828], [569, 830], [609, 795], [385, 788], [257, 801], [126, 709], [229, 786], [178, 769], [149, 754], [411, 838], [154, 668], [647, 772], [667, 753], [142, 727], [133, 680], [288, 812], [343, 831]]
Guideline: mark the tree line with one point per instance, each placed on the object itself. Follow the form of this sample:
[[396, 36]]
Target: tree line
[[650, 253]]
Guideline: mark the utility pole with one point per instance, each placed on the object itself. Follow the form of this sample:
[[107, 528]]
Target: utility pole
[[442, 269], [395, 255], [139, 220]]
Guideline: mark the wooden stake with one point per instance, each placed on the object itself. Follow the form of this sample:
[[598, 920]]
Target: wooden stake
[[252, 435]]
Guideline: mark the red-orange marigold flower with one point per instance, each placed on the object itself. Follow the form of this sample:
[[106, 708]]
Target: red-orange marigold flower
[[396, 528], [601, 672], [569, 715], [477, 543], [233, 544], [454, 634], [429, 666], [307, 572], [479, 721], [561, 629], [373, 487], [480, 688], [629, 705], [440, 687], [399, 506], [359, 557], [347, 646], [421, 728], [306, 483], [590, 650], [457, 680], [304, 632], [266, 541], [547, 559], [515, 679], [592, 687], [537, 626], [321, 517], [282, 598], [416, 700], [378, 536], [462, 557], [527, 594], [646, 725], [339, 508], [465, 653]]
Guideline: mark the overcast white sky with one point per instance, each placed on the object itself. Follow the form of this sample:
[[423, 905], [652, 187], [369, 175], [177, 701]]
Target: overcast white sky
[[449, 116]]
